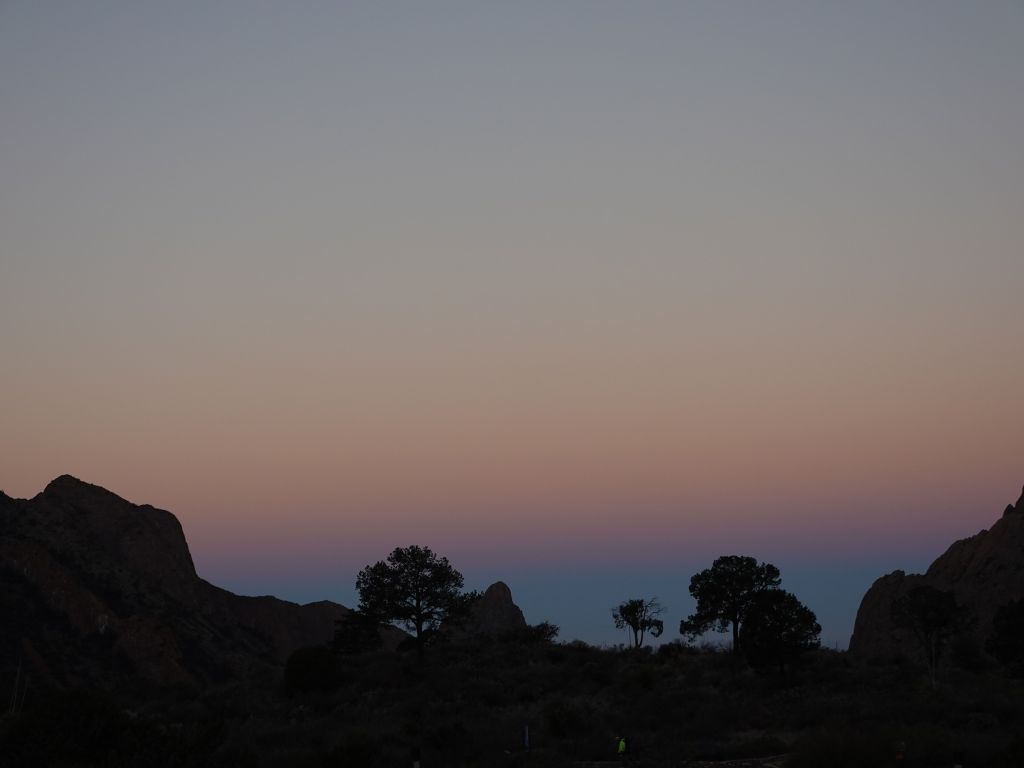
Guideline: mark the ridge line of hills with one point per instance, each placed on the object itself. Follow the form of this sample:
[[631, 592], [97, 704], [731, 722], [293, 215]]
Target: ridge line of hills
[[97, 590], [84, 570]]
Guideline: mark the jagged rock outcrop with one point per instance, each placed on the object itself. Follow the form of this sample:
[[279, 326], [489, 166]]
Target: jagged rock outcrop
[[984, 571], [95, 588], [494, 614]]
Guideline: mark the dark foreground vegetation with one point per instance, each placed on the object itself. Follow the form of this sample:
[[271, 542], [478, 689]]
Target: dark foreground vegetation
[[451, 697], [470, 703]]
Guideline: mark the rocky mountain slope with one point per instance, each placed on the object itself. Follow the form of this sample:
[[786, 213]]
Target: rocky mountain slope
[[95, 589], [984, 571]]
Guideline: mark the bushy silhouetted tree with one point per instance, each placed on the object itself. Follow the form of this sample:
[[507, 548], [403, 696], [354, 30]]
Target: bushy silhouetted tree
[[641, 616], [934, 617], [1006, 642], [415, 588], [777, 627], [724, 593], [532, 634]]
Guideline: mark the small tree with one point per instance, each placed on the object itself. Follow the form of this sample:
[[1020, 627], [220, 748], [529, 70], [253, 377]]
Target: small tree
[[414, 588], [532, 634], [641, 616], [934, 618], [724, 593], [777, 628]]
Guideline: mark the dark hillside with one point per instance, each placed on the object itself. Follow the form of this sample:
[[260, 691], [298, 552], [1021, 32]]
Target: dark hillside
[[86, 569]]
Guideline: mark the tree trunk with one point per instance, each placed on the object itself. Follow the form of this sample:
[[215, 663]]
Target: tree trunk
[[735, 636]]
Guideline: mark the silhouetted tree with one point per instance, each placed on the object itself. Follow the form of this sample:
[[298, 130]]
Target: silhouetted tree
[[777, 627], [1006, 642], [934, 618], [724, 592], [414, 588], [357, 632], [532, 634], [641, 616]]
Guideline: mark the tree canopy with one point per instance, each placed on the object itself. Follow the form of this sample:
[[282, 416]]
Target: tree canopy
[[777, 627], [414, 588], [724, 592], [641, 616]]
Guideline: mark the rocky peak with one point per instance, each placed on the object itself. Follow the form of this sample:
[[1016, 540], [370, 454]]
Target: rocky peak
[[70, 488], [90, 524], [495, 613], [498, 594], [984, 571], [112, 568], [1018, 507]]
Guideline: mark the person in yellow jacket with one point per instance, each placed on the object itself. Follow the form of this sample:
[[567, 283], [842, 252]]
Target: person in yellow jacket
[[622, 746]]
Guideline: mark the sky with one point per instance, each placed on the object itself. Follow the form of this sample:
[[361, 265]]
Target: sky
[[581, 295]]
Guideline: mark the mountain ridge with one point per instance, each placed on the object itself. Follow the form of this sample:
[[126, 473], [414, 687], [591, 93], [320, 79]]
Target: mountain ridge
[[96, 570]]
